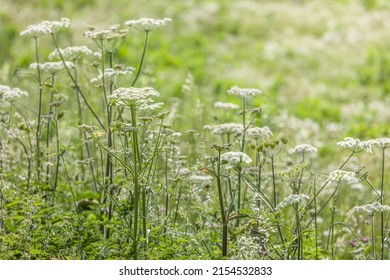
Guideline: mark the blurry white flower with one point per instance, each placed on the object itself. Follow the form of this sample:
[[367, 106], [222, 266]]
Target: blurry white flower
[[243, 91], [9, 94], [355, 145], [291, 200], [258, 133], [228, 128], [113, 74], [341, 175], [147, 24], [383, 143], [304, 148], [235, 159], [45, 27], [110, 34], [371, 209], [52, 67], [132, 96], [71, 53], [223, 105]]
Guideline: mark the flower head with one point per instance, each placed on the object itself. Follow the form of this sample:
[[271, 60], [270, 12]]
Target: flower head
[[9, 94], [132, 96], [228, 128], [235, 158], [258, 133], [291, 200], [243, 92], [382, 143], [304, 148], [341, 175], [112, 33], [147, 24], [355, 145], [372, 208], [45, 27], [223, 105], [112, 74], [52, 67], [71, 53]]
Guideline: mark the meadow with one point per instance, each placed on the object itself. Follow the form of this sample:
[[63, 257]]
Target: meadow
[[194, 129]]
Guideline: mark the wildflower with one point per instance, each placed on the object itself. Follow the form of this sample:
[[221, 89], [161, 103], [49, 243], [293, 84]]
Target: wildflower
[[355, 145], [259, 132], [110, 34], [223, 105], [147, 24], [111, 73], [294, 173], [340, 175], [52, 67], [9, 94], [304, 148], [243, 92], [228, 128], [291, 200], [132, 96], [201, 179], [371, 209], [235, 159], [383, 143], [71, 53], [45, 27]]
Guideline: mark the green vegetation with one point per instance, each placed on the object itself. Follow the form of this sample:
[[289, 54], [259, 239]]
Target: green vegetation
[[207, 130]]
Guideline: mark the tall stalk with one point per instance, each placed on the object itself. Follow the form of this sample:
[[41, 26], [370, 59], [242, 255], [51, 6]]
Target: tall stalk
[[38, 128], [222, 207]]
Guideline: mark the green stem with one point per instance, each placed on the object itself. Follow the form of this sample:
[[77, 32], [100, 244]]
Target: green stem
[[142, 58], [222, 207], [38, 129], [382, 200]]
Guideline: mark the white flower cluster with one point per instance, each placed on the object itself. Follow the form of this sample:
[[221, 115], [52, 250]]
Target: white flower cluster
[[113, 74], [383, 143], [72, 53], [147, 24], [9, 94], [201, 179], [372, 208], [223, 105], [291, 200], [112, 33], [132, 96], [341, 175], [52, 67], [258, 133], [304, 148], [233, 159], [355, 145], [228, 128], [45, 27], [243, 92]]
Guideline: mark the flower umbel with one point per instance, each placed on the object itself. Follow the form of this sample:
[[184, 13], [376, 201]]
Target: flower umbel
[[355, 145], [52, 67], [243, 91], [291, 200], [9, 94], [45, 27], [132, 96], [147, 24], [234, 159], [372, 208], [304, 148], [341, 175]]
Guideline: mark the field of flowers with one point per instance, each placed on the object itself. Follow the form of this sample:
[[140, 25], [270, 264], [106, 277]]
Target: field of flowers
[[195, 129]]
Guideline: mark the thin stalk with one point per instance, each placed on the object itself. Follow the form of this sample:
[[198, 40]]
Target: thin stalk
[[136, 182], [58, 155], [76, 85], [274, 195], [38, 129], [382, 200], [142, 58], [222, 208], [49, 117], [315, 219], [372, 237]]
